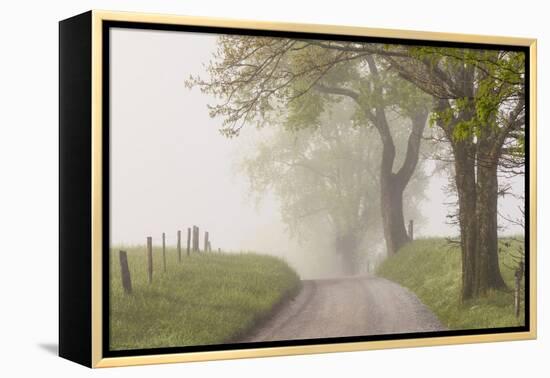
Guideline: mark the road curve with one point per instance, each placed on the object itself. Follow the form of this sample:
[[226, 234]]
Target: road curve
[[354, 306]]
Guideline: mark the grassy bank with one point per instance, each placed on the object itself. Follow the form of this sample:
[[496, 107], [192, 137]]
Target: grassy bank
[[431, 268], [207, 299]]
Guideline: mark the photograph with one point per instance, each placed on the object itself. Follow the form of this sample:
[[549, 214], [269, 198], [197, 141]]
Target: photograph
[[247, 189], [271, 188]]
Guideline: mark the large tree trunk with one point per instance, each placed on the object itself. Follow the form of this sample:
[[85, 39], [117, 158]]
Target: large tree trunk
[[392, 185], [487, 211], [465, 180], [475, 169], [477, 188], [393, 220]]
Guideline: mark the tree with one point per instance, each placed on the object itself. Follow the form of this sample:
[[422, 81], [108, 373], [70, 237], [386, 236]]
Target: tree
[[326, 182], [258, 78], [481, 110]]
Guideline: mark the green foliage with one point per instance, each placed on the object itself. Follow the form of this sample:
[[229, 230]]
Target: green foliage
[[327, 176], [404, 97], [482, 86], [209, 298], [319, 173], [431, 268], [260, 79], [304, 111]]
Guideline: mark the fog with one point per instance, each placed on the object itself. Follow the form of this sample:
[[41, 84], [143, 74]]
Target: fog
[[171, 168]]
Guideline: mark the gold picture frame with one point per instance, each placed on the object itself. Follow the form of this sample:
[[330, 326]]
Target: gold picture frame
[[90, 266]]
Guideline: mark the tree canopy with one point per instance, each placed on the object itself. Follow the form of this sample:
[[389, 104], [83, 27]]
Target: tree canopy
[[474, 96]]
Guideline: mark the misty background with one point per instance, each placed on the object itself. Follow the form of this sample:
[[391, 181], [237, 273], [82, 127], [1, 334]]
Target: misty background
[[171, 168]]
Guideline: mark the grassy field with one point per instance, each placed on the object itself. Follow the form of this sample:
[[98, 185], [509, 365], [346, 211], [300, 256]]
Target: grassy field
[[431, 268], [207, 299]]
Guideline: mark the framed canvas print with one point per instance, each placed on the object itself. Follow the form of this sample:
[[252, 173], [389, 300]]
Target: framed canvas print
[[235, 189]]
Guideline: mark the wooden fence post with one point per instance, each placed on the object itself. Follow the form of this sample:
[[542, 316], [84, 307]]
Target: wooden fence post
[[206, 241], [411, 230], [194, 239], [150, 258], [179, 245], [517, 292], [164, 251], [125, 272], [197, 239], [188, 240]]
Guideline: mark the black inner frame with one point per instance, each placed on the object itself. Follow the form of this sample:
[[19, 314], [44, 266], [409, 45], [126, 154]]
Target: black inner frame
[[107, 25]]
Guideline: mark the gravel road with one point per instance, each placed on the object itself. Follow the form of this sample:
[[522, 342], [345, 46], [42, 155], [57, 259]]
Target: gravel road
[[352, 306]]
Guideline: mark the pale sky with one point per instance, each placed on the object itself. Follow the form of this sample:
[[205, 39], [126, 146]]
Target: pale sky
[[171, 168]]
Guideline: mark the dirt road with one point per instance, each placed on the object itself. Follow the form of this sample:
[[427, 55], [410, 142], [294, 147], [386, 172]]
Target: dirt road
[[348, 307]]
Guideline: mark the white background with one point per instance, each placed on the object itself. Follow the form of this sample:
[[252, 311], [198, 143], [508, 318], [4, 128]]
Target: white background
[[29, 189]]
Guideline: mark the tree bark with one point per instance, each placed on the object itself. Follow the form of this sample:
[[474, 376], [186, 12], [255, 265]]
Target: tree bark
[[465, 179], [393, 220], [392, 185], [486, 212], [476, 181]]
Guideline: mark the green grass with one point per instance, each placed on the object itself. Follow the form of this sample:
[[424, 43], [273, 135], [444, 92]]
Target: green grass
[[209, 298], [431, 268]]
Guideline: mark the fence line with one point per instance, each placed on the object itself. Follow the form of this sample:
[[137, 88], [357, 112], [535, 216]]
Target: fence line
[[192, 245]]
